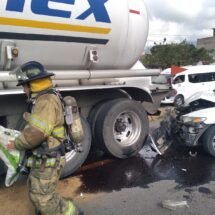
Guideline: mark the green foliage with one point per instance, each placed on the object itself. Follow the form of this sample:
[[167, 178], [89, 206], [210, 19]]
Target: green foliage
[[179, 54]]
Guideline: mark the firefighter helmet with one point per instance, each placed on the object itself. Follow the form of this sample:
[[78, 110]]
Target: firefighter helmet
[[30, 71]]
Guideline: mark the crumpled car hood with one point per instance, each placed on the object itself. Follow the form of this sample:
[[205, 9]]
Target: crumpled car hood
[[205, 95], [208, 113]]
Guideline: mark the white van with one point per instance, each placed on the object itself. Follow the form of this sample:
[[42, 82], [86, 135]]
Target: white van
[[194, 79]]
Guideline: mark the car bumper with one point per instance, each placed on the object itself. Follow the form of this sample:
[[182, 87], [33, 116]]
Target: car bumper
[[190, 134]]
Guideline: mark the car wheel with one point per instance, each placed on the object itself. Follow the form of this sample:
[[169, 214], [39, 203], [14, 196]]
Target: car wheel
[[122, 127], [209, 141], [179, 101]]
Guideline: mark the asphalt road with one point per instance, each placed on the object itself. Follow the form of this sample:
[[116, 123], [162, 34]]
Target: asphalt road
[[139, 185], [135, 186]]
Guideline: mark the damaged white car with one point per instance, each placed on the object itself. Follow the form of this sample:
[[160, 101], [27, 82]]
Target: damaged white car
[[194, 124], [196, 121]]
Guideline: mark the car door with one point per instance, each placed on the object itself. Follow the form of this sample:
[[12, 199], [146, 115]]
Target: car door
[[208, 81], [195, 83], [179, 84]]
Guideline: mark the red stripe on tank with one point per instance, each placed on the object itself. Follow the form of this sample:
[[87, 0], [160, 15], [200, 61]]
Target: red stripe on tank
[[134, 11]]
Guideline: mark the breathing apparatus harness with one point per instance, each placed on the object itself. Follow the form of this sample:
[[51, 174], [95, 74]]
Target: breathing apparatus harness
[[68, 142], [42, 156], [67, 145]]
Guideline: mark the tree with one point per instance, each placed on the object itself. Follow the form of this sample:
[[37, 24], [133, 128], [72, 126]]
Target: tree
[[179, 54]]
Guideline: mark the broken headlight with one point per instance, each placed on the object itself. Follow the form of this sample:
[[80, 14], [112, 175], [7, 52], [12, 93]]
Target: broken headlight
[[189, 119]]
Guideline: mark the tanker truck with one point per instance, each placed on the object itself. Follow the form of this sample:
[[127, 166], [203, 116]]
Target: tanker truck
[[90, 46]]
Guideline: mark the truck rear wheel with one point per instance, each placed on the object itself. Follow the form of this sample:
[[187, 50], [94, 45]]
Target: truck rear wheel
[[209, 141], [92, 118], [75, 159], [122, 127]]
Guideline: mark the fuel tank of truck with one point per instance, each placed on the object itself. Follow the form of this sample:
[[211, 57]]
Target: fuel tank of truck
[[66, 34]]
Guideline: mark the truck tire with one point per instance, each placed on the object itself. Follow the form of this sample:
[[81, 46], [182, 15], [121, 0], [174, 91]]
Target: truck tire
[[179, 101], [93, 116], [122, 127], [75, 159], [209, 141]]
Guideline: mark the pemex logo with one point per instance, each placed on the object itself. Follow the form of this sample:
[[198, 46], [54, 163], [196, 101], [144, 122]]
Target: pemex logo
[[41, 7], [94, 8]]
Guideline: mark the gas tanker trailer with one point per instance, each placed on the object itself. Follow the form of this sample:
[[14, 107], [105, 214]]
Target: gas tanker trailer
[[90, 46]]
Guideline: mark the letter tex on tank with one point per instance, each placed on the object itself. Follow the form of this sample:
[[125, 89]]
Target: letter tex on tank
[[41, 7]]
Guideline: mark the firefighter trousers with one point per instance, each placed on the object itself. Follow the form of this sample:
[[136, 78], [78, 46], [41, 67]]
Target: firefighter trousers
[[42, 183]]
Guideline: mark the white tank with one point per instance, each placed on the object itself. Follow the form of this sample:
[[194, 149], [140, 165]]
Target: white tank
[[61, 34]]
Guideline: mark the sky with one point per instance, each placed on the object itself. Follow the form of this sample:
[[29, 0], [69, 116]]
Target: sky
[[177, 20]]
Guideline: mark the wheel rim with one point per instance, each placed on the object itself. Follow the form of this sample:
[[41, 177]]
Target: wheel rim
[[127, 128]]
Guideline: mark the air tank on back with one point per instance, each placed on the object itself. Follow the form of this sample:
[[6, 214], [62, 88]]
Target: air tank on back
[[66, 34]]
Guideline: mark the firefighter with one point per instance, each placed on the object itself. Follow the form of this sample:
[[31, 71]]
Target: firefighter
[[43, 136]]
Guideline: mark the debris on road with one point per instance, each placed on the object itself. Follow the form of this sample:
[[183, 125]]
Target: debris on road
[[173, 205], [193, 154], [162, 137], [159, 145]]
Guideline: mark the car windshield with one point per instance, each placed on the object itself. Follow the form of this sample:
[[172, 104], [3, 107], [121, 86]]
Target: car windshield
[[161, 79], [179, 79]]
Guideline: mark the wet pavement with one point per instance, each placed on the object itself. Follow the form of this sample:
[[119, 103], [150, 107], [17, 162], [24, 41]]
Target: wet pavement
[[176, 165], [147, 167], [138, 185]]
